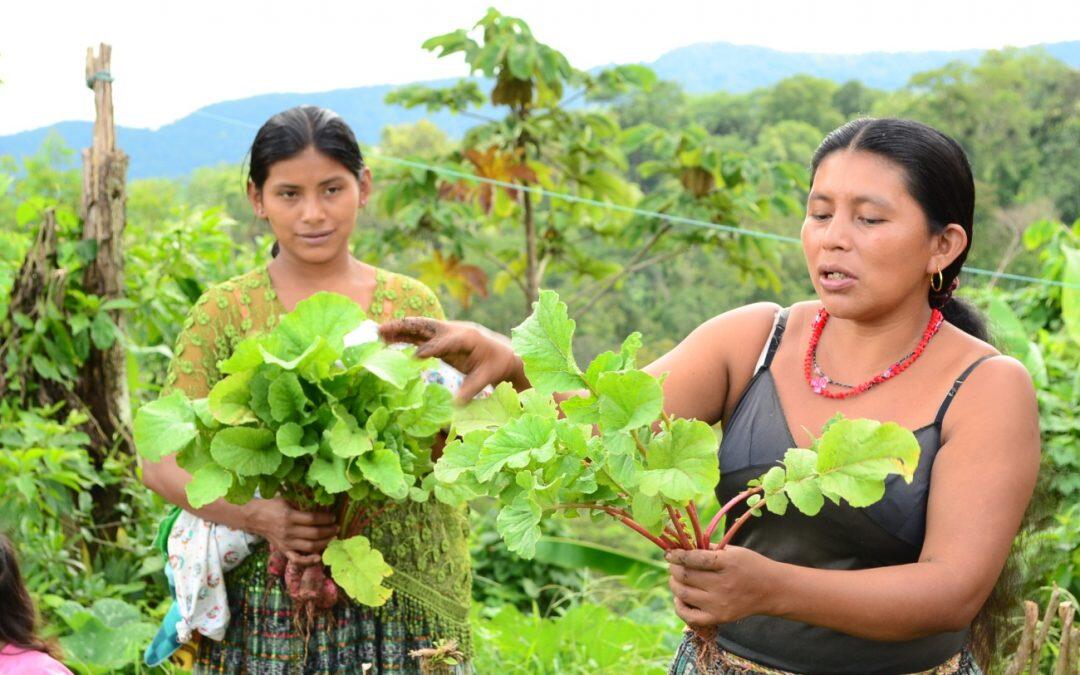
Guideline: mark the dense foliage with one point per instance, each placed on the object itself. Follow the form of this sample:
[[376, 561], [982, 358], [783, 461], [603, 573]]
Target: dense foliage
[[627, 140]]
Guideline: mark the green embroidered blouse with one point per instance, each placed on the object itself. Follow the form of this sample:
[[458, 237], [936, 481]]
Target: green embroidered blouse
[[426, 544]]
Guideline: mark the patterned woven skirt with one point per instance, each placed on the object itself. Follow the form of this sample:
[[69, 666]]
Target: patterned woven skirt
[[730, 664], [263, 640]]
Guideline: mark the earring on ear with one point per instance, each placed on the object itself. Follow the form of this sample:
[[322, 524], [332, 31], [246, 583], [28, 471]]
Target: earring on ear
[[937, 281]]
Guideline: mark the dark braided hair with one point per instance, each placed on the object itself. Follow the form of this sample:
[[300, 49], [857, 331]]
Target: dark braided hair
[[938, 177], [292, 131]]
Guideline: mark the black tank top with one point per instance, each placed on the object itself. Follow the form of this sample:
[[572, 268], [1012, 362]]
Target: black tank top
[[889, 532]]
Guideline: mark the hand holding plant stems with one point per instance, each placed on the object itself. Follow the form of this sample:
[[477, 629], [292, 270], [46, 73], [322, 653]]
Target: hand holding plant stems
[[614, 452], [342, 430]]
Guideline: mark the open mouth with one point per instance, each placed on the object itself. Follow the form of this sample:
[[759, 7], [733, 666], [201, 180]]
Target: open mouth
[[834, 279]]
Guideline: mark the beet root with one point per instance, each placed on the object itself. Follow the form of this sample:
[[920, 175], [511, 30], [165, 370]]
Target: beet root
[[277, 563], [328, 595]]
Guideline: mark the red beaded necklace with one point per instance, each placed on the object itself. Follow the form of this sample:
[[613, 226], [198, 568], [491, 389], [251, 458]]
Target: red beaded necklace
[[819, 381]]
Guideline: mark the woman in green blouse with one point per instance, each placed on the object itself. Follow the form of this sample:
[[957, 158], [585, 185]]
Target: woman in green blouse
[[308, 180]]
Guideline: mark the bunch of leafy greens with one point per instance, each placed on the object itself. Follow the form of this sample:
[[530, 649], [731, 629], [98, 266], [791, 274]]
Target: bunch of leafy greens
[[299, 414], [614, 451]]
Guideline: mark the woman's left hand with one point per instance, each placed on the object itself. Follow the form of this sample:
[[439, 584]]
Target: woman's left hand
[[719, 586]]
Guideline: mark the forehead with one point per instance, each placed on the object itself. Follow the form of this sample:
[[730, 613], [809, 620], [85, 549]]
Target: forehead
[[846, 174], [309, 166]]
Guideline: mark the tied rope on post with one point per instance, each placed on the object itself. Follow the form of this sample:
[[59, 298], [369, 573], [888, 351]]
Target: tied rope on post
[[99, 76]]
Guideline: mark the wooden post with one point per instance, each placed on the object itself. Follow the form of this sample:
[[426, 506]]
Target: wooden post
[[102, 384]]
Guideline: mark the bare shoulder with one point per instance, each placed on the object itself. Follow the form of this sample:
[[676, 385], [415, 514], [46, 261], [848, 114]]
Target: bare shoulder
[[700, 369], [996, 403]]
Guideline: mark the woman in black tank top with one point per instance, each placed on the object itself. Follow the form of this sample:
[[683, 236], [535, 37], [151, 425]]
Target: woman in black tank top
[[896, 587]]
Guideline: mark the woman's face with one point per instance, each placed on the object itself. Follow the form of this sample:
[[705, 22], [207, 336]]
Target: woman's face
[[310, 201], [867, 243]]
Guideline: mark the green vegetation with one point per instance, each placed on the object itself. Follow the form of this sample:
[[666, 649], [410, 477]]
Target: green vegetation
[[589, 601]]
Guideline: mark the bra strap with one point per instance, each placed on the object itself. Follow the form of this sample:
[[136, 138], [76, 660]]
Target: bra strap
[[774, 340], [956, 387]]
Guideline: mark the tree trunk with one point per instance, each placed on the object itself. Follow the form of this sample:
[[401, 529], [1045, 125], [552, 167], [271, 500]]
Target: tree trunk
[[102, 383]]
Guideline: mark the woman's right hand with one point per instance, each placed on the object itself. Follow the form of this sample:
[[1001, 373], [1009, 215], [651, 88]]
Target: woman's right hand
[[301, 535], [483, 356]]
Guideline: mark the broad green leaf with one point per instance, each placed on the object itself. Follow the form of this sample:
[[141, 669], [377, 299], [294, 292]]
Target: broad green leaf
[[346, 440], [286, 397], [432, 416], [801, 480], [581, 409], [488, 413], [208, 484], [629, 350], [519, 525], [290, 441], [382, 468], [359, 569], [605, 362], [544, 343], [855, 457], [628, 400], [328, 316], [514, 444], [393, 366], [330, 474], [246, 356], [460, 456], [164, 426], [773, 483], [246, 451], [681, 463], [229, 399], [194, 456], [649, 511]]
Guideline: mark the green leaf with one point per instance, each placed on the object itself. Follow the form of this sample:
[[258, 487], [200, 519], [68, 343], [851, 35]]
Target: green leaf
[[208, 484], [460, 456], [289, 441], [681, 463], [519, 525], [628, 400], [103, 331], [432, 416], [286, 397], [382, 468], [773, 483], [346, 440], [629, 350], [581, 409], [855, 457], [649, 511], [231, 397], [247, 355], [359, 569], [801, 480], [488, 413], [394, 366], [45, 368], [330, 474], [544, 343], [324, 315], [515, 444], [246, 451], [164, 426]]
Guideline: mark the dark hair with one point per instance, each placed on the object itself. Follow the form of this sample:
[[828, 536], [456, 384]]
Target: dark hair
[[292, 131], [938, 177], [18, 620]]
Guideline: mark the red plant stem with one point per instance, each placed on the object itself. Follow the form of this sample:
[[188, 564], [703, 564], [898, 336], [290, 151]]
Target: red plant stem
[[680, 529], [742, 496], [672, 544], [695, 522], [739, 523], [625, 519]]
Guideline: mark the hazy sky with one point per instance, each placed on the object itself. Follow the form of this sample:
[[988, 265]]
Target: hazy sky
[[170, 58]]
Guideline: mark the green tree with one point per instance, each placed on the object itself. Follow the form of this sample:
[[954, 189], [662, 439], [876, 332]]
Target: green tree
[[803, 98], [542, 141], [422, 139]]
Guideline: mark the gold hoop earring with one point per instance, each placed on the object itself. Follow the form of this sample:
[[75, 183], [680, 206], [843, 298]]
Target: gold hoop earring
[[940, 279]]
